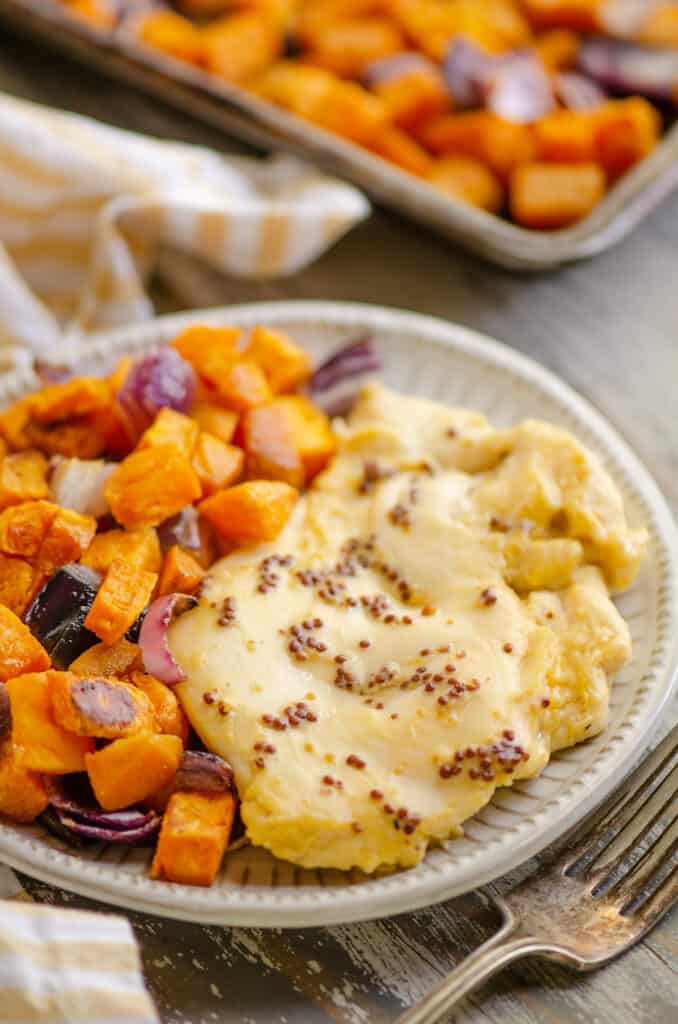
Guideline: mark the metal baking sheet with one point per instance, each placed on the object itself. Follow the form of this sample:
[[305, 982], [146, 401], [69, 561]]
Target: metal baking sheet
[[241, 114]]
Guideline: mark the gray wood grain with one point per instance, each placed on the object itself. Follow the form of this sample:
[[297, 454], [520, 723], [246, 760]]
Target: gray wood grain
[[609, 328]]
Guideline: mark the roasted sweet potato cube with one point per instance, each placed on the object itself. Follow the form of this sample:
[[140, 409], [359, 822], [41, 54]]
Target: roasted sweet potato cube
[[14, 420], [270, 446], [24, 527], [558, 48], [239, 46], [218, 465], [215, 420], [71, 399], [252, 512], [555, 195], [43, 745], [23, 477], [23, 794], [69, 535], [16, 583], [346, 45], [172, 34], [171, 427], [129, 770], [626, 132], [239, 384], [414, 98], [180, 573], [139, 548], [107, 660], [469, 180], [286, 365], [151, 485], [195, 831], [96, 706], [20, 652], [399, 148], [567, 136], [121, 598], [579, 15], [169, 715], [502, 145], [85, 437], [200, 342], [312, 430]]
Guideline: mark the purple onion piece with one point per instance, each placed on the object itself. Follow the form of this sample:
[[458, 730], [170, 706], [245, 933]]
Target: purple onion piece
[[182, 529], [158, 659], [336, 382], [5, 713], [159, 380], [127, 837], [202, 772], [72, 795], [578, 92], [519, 88], [627, 68], [51, 820], [467, 71], [387, 69]]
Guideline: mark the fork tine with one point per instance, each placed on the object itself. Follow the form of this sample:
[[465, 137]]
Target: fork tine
[[599, 832], [632, 889]]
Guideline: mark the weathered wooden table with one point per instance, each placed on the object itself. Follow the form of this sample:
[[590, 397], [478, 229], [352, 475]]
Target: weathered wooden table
[[610, 328]]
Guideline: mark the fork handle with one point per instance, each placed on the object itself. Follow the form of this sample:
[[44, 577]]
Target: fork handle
[[498, 952]]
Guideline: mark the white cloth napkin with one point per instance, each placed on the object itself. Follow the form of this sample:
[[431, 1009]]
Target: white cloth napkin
[[84, 207]]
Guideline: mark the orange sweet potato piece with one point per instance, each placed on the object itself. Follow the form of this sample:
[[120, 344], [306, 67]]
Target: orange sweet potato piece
[[42, 744], [270, 446], [660, 26], [345, 45], [252, 512], [85, 437], [558, 48], [414, 98], [313, 435], [151, 485], [16, 583], [286, 365], [121, 598], [199, 343], [195, 831], [242, 45], [14, 420], [100, 707], [139, 548], [129, 770], [23, 477], [468, 179], [170, 717], [172, 34], [20, 652], [239, 384], [502, 145], [626, 132], [215, 420], [23, 794], [71, 399], [555, 195], [218, 465], [579, 15], [171, 427], [401, 149], [24, 527], [107, 659], [66, 539], [567, 136], [180, 573]]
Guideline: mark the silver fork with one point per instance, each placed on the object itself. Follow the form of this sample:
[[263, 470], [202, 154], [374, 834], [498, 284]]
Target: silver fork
[[613, 881]]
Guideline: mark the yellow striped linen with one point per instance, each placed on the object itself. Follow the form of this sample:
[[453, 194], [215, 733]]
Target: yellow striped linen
[[84, 208]]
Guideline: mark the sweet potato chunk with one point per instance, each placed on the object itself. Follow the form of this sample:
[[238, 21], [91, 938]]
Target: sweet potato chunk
[[215, 420], [284, 363], [107, 659], [73, 398], [567, 136], [23, 527], [23, 794], [195, 831], [139, 548], [14, 420], [43, 745], [169, 715], [100, 707], [199, 343], [150, 486], [180, 573], [579, 15], [16, 583], [120, 600], [555, 195], [558, 48], [128, 771], [270, 446], [626, 132], [399, 148], [468, 179], [20, 652], [239, 384], [218, 465], [345, 45], [171, 427], [242, 45], [313, 435], [252, 512], [85, 437], [415, 97], [23, 477], [68, 536], [502, 145], [172, 34]]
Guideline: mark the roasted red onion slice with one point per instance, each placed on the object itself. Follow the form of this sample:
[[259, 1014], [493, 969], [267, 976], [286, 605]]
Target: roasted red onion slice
[[386, 69], [75, 812], [182, 529], [337, 381], [5, 713], [161, 379], [578, 92], [104, 834], [467, 70], [204, 773], [630, 69], [79, 484], [519, 88], [158, 659]]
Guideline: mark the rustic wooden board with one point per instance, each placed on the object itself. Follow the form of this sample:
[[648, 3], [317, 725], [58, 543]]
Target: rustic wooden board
[[610, 328]]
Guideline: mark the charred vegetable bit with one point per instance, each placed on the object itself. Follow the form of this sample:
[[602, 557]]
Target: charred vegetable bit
[[57, 614]]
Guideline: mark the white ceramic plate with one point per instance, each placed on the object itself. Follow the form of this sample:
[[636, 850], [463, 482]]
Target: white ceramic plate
[[451, 364]]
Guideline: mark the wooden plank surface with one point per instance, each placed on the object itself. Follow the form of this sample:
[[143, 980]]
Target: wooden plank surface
[[610, 328]]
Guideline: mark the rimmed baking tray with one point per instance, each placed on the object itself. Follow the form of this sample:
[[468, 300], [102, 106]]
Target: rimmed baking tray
[[241, 114]]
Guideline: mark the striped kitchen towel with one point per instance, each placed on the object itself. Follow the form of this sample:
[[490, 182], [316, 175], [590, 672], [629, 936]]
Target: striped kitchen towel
[[69, 967], [84, 208]]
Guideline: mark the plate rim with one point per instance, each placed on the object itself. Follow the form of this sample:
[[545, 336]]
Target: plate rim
[[377, 898]]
